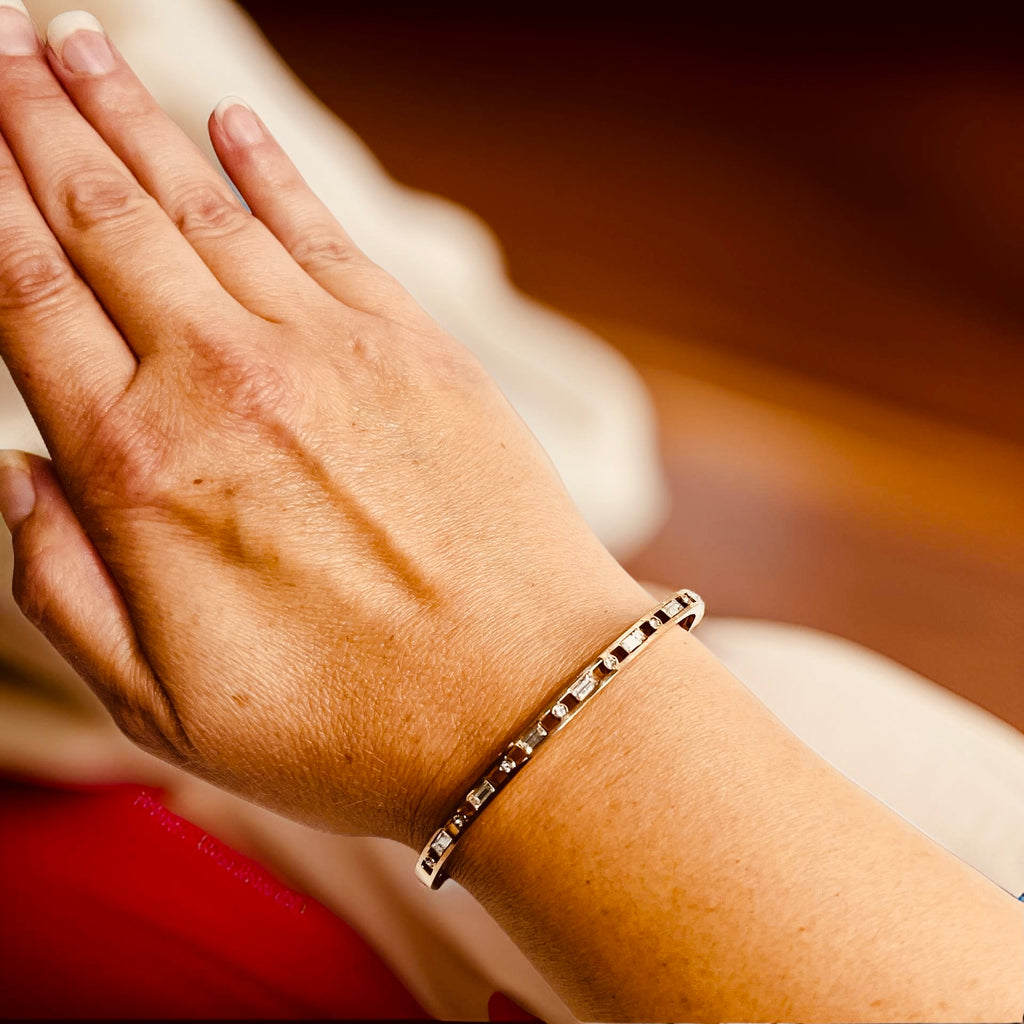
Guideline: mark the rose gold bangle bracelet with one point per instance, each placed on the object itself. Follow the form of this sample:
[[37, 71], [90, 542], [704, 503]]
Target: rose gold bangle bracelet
[[684, 608]]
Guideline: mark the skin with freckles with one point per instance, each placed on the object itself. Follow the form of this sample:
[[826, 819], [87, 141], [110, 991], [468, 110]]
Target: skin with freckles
[[300, 545]]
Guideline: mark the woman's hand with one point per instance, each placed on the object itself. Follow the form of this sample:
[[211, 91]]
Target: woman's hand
[[292, 535]]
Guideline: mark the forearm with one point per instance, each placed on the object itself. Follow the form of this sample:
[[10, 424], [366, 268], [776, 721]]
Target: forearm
[[677, 854]]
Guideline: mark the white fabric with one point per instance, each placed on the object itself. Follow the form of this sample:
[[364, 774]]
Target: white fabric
[[947, 766]]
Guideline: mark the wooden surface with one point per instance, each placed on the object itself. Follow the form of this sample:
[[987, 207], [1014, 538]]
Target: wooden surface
[[813, 252]]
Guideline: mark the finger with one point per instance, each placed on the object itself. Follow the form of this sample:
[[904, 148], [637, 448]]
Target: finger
[[66, 357], [63, 587], [244, 256], [148, 278], [277, 194]]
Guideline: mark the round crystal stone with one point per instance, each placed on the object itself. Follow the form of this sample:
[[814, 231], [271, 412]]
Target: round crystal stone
[[507, 765], [610, 662], [559, 710], [654, 623]]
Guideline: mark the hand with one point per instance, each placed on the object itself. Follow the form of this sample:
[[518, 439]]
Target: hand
[[292, 534]]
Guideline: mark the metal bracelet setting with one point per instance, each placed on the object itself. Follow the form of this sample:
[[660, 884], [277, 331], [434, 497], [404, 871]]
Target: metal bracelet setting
[[684, 608]]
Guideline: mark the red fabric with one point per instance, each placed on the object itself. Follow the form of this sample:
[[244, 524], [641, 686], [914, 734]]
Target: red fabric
[[113, 907]]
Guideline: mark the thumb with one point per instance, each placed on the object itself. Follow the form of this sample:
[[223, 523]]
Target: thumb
[[64, 588]]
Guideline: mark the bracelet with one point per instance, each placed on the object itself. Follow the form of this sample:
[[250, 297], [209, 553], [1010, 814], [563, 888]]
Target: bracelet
[[684, 608]]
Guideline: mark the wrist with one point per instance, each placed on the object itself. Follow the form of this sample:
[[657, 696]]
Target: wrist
[[575, 825], [543, 642], [614, 742]]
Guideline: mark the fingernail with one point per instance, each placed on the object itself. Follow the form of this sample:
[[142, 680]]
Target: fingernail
[[81, 44], [240, 123], [18, 36], [17, 492]]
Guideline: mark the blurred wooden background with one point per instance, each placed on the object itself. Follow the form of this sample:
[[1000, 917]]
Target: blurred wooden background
[[811, 244]]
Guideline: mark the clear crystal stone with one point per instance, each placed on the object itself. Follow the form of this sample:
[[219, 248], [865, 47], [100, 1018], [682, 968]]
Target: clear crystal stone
[[610, 662], [584, 686], [559, 710], [477, 796], [458, 820], [429, 862], [631, 641], [672, 608], [441, 843], [532, 739], [507, 764]]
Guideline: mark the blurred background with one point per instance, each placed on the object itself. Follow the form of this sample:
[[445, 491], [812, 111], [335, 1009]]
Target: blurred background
[[808, 239]]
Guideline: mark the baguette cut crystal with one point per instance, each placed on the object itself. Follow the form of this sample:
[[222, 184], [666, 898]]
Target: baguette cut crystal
[[631, 641], [672, 608], [584, 686], [441, 842], [532, 739], [477, 796]]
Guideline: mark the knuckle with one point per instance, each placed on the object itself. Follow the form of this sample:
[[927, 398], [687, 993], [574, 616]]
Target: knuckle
[[127, 458], [244, 382], [96, 196], [143, 456], [324, 249], [207, 211], [132, 468], [32, 275], [364, 346]]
